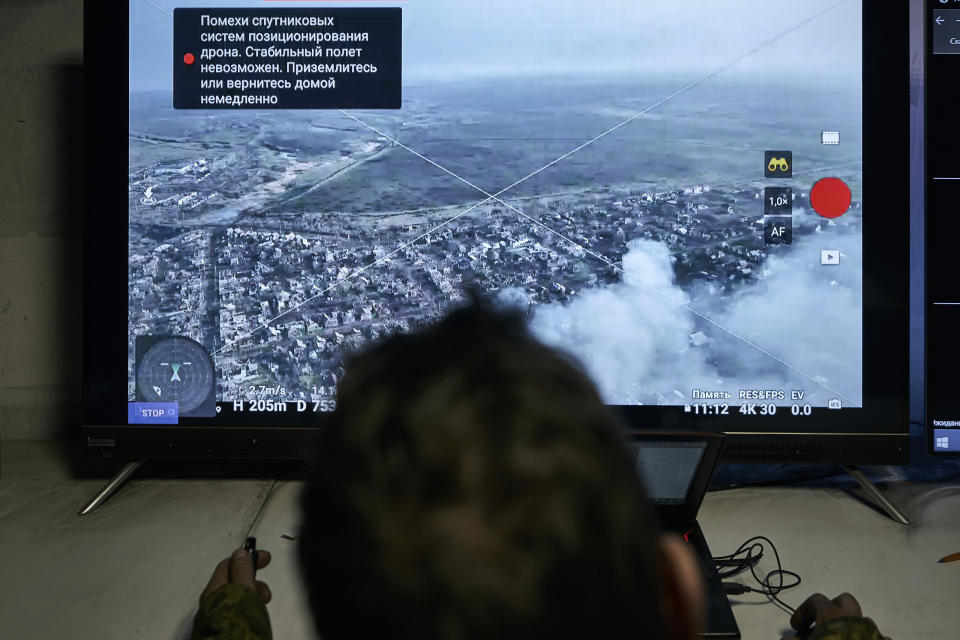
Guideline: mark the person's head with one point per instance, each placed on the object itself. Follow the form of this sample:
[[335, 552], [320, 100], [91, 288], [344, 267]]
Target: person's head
[[472, 485]]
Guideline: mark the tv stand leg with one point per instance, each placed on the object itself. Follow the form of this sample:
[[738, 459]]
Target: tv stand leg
[[878, 497], [108, 489]]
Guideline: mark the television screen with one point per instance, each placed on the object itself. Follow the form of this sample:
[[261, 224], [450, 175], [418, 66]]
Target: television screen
[[680, 195]]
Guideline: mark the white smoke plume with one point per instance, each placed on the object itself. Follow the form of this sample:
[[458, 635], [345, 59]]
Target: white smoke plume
[[641, 345]]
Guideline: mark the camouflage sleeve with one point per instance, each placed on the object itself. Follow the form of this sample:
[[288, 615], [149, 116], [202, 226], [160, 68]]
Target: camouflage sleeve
[[232, 612], [846, 629]]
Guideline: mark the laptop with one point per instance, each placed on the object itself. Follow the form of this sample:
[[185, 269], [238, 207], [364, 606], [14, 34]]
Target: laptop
[[676, 469]]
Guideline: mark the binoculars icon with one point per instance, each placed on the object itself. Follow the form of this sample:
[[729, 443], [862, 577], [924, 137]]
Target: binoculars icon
[[778, 163]]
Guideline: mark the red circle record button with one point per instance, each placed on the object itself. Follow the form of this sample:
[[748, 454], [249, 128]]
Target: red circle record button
[[831, 197], [189, 58]]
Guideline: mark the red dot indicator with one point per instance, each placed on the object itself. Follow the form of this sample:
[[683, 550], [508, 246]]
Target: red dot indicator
[[831, 197], [189, 58]]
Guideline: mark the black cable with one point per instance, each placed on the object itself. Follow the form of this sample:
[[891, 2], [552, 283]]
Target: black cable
[[738, 565], [732, 564]]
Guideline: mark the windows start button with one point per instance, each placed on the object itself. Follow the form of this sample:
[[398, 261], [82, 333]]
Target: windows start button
[[946, 440]]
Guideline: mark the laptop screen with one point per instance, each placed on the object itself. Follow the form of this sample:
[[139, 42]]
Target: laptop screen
[[668, 468]]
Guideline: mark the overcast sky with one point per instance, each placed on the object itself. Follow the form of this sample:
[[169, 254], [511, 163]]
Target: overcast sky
[[446, 39]]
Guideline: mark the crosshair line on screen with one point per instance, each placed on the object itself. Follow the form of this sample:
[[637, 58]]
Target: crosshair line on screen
[[616, 267], [496, 197], [605, 260], [157, 7]]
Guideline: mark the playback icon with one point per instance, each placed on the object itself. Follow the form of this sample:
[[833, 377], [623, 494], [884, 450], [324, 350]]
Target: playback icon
[[830, 256]]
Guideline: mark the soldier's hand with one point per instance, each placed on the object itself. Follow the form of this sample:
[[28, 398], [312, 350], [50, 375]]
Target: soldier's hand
[[238, 569], [818, 609]]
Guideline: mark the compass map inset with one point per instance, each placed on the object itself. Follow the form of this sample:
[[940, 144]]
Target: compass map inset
[[176, 369]]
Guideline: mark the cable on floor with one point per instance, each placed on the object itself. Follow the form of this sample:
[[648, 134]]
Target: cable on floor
[[746, 557]]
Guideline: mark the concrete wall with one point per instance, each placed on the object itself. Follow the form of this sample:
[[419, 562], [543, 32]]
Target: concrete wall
[[41, 47]]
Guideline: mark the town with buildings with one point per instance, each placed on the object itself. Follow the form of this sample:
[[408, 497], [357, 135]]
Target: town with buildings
[[280, 300]]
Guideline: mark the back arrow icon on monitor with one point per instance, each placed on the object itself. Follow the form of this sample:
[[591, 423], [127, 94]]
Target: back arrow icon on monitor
[[939, 20]]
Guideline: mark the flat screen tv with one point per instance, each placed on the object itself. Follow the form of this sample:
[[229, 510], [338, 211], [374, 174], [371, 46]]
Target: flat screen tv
[[705, 203]]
